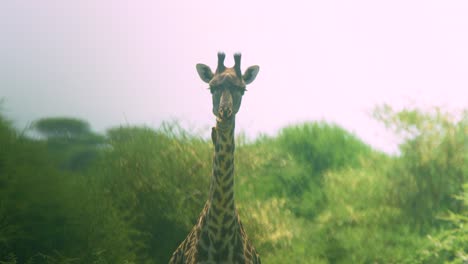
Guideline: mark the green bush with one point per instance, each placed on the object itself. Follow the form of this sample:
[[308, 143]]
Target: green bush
[[313, 194], [159, 178], [321, 146], [70, 142], [358, 224], [450, 245], [48, 215], [307, 152], [433, 165]]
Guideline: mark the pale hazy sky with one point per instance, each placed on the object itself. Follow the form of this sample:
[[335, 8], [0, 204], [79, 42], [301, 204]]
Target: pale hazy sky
[[117, 62]]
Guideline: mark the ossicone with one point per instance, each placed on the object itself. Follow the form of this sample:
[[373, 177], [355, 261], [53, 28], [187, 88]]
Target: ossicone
[[221, 67], [237, 64]]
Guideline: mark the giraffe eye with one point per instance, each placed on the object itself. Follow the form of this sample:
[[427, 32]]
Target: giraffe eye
[[214, 89], [240, 90]]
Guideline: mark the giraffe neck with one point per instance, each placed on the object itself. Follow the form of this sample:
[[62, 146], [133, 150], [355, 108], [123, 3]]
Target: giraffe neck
[[221, 213]]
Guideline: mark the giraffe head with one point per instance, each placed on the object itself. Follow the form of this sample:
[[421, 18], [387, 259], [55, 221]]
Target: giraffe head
[[227, 85]]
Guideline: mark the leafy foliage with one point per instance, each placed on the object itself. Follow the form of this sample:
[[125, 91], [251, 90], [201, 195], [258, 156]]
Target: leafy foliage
[[70, 140], [313, 194], [62, 127], [433, 165], [47, 214], [322, 147], [146, 170], [306, 152], [450, 245]]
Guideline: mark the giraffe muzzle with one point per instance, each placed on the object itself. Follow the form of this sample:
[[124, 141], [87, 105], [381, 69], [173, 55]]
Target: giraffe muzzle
[[225, 105], [225, 112]]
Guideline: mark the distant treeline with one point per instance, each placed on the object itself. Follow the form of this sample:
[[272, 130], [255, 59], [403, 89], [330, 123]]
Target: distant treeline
[[314, 193]]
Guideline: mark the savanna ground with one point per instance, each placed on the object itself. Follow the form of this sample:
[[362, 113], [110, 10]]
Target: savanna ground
[[314, 193]]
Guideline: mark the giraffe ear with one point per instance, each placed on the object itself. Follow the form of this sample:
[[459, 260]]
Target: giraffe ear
[[204, 72], [250, 74]]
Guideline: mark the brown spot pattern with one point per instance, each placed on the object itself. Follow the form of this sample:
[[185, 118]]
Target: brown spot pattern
[[218, 231]]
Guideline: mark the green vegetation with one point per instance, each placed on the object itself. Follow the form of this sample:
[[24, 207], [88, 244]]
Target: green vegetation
[[312, 194]]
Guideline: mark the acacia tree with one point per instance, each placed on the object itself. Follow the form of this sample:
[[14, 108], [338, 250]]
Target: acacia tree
[[71, 141], [62, 127]]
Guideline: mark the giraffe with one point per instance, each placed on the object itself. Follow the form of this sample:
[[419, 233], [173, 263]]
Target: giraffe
[[218, 236]]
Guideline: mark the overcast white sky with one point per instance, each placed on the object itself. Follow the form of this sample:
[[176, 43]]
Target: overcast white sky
[[117, 62]]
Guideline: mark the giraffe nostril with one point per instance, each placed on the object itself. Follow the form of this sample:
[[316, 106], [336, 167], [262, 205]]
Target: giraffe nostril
[[225, 112]]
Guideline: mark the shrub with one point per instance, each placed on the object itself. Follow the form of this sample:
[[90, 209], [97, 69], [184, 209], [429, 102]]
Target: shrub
[[49, 216], [358, 224], [433, 165], [159, 178]]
